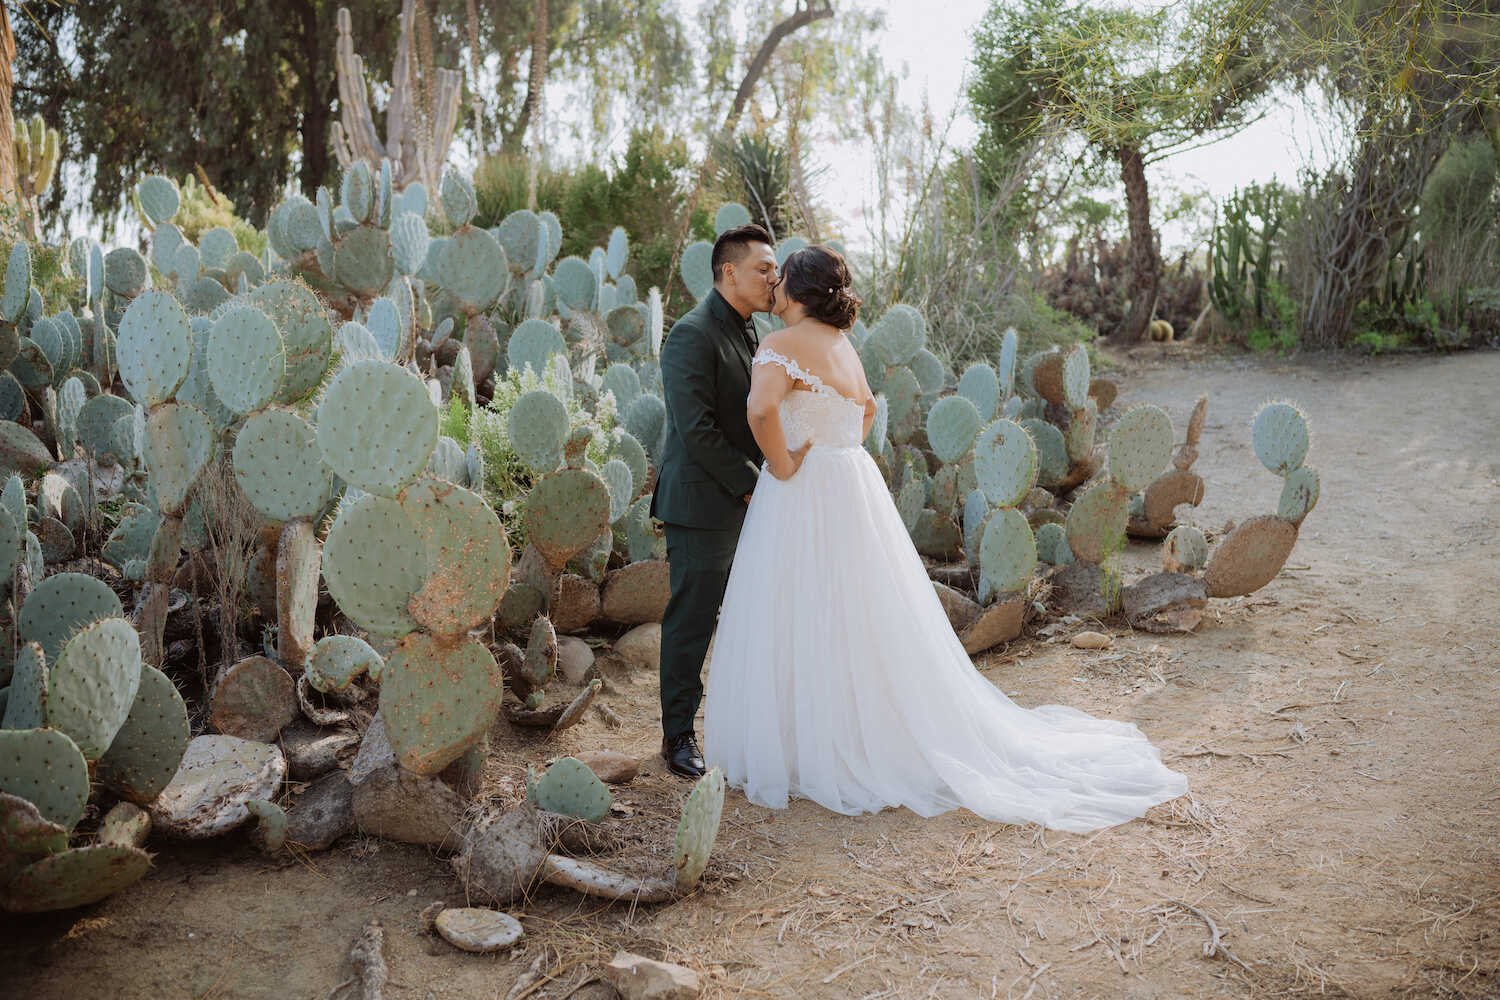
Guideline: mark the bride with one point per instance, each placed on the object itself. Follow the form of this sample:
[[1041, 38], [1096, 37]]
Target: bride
[[836, 675]]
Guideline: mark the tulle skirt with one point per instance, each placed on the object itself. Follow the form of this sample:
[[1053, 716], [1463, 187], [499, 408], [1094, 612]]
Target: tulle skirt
[[837, 677]]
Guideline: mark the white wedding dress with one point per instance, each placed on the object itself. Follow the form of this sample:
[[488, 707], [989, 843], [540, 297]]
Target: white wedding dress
[[837, 677]]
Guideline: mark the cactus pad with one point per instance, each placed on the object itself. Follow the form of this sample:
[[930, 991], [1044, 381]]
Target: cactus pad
[[75, 877], [1096, 522], [623, 382], [952, 425], [218, 776], [541, 652], [374, 564], [899, 335], [438, 698], [93, 684], [279, 466], [646, 420], [246, 359], [730, 215], [45, 767], [698, 829], [377, 448], [1280, 436], [61, 606], [154, 348], [538, 429], [1299, 494], [466, 556], [158, 198], [304, 329], [621, 483], [180, 442], [149, 746], [903, 395], [1007, 551], [981, 386], [577, 284], [26, 701], [125, 272], [338, 660], [1140, 447], [571, 789], [1052, 451], [1052, 545], [25, 835], [697, 268], [1250, 557], [533, 344], [1184, 550], [930, 371], [1076, 377], [471, 265], [565, 512], [1005, 463]]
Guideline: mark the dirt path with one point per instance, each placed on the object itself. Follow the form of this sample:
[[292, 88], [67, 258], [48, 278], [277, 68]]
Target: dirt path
[[1337, 729]]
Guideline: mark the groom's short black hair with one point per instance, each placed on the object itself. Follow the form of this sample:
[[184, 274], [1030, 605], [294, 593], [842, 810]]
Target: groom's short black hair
[[731, 245]]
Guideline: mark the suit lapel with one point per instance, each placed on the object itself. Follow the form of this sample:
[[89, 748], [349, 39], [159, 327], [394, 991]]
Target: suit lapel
[[731, 328]]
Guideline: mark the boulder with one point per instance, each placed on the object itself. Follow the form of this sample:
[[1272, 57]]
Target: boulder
[[1165, 602], [322, 814], [1000, 622], [312, 751], [641, 647], [392, 802], [575, 660], [611, 766]]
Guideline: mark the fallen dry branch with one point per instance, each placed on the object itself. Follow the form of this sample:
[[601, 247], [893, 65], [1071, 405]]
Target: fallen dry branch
[[1215, 944], [368, 959]]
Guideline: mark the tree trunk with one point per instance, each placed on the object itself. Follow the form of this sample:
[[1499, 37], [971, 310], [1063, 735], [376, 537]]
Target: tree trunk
[[8, 189], [1145, 262], [805, 14], [536, 80], [315, 105]]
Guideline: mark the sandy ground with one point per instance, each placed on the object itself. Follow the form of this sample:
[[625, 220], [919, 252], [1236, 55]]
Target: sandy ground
[[1337, 729]]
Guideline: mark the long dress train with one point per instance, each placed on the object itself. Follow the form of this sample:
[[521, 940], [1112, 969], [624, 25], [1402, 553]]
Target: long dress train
[[837, 677]]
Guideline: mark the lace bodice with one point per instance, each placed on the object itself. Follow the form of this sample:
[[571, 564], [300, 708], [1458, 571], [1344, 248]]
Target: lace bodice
[[823, 416]]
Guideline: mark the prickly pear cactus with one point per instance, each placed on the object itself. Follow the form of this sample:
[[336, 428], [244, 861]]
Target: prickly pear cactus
[[147, 749], [698, 829], [570, 788], [246, 359], [154, 347], [337, 661], [565, 513], [953, 424], [93, 684], [541, 653], [1280, 436], [46, 768], [278, 465], [74, 877], [538, 430], [1184, 550], [1007, 552], [385, 457], [1140, 447], [1005, 463]]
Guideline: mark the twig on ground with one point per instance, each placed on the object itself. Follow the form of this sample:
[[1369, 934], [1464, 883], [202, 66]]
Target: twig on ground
[[367, 957], [1215, 944]]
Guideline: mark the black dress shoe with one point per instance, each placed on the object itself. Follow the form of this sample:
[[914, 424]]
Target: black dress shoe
[[683, 756]]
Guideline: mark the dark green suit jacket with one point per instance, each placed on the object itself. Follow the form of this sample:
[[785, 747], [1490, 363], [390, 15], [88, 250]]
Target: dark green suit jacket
[[710, 460]]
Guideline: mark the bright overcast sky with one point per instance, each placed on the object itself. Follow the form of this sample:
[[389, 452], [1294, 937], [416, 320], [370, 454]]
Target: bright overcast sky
[[931, 39]]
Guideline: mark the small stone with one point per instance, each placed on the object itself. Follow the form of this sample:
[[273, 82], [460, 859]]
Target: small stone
[[575, 660], [1091, 640], [1000, 622], [641, 647], [473, 929], [640, 978], [321, 814], [611, 766]]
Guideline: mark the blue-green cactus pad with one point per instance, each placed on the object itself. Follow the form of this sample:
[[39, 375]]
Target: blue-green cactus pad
[[899, 335], [279, 466], [1005, 463], [74, 878], [374, 564], [154, 348], [465, 554], [147, 749], [565, 512], [538, 429], [570, 788], [26, 698], [1052, 451], [952, 425], [1140, 447], [61, 606], [46, 768], [363, 262], [533, 344], [337, 661], [1299, 494], [1096, 521], [1052, 545], [438, 698], [981, 386], [1280, 436], [697, 268], [377, 426], [698, 829], [1075, 377], [730, 215], [472, 267], [305, 331], [246, 359], [93, 684], [180, 442], [159, 198], [1007, 551]]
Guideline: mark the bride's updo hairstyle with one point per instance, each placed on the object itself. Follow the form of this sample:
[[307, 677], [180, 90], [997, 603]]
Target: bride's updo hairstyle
[[817, 277]]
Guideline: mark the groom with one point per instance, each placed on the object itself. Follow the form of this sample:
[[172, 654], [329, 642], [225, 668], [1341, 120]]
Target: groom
[[709, 465]]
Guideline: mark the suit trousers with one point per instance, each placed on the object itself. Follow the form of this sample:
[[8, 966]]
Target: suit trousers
[[698, 561]]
